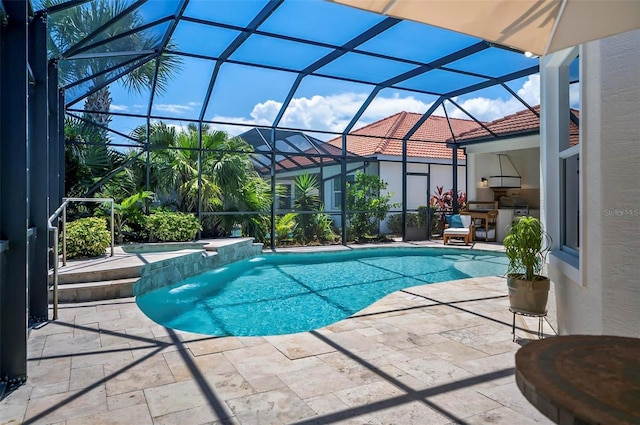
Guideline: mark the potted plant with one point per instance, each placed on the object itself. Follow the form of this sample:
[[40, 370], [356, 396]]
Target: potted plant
[[527, 245]]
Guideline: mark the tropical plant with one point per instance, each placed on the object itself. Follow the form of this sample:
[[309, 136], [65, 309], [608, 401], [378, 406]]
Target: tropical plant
[[164, 226], [285, 226], [128, 211], [307, 199], [88, 159], [241, 187], [227, 183], [443, 201], [87, 237], [366, 204], [324, 231], [417, 219], [73, 25], [176, 167], [442, 204], [526, 246], [394, 223]]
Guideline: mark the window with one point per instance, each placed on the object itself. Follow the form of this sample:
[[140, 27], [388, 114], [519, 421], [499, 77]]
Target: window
[[569, 161], [561, 150], [336, 199], [570, 220], [284, 198]]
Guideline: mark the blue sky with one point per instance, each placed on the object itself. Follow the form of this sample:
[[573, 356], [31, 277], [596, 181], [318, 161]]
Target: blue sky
[[250, 95]]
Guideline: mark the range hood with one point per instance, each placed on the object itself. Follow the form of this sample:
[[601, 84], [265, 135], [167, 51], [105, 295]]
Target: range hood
[[508, 177]]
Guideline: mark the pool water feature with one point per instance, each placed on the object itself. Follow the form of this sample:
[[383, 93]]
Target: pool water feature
[[282, 293]]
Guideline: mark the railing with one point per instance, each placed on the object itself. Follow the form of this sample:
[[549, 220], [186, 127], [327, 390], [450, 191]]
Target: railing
[[62, 209]]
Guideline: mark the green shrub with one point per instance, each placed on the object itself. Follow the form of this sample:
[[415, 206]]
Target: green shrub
[[171, 227], [419, 219], [285, 226], [87, 237], [394, 223]]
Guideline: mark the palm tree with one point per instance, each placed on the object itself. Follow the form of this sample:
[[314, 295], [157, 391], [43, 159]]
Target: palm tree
[[228, 179], [307, 199], [175, 167], [87, 157], [73, 25]]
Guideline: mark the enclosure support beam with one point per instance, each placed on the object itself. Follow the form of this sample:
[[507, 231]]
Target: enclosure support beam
[[56, 142], [343, 189], [199, 177], [272, 172], [454, 153], [405, 139], [61, 148], [39, 171], [14, 190]]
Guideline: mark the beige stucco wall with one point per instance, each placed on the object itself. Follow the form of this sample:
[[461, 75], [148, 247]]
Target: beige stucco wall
[[417, 191], [605, 299]]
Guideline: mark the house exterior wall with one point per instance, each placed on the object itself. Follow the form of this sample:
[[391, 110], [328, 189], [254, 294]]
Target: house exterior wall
[[418, 193], [601, 295]]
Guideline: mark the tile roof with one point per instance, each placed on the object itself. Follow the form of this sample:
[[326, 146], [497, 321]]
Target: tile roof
[[384, 137], [516, 124]]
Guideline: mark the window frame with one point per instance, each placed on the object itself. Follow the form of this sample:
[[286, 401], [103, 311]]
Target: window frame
[[289, 198], [555, 93]]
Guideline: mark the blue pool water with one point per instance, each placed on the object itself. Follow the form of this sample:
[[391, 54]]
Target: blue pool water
[[285, 293]]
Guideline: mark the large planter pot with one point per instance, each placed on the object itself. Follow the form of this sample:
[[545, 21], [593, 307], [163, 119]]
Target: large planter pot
[[528, 296]]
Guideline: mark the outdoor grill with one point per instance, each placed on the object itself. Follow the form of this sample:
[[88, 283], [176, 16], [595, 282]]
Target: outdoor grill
[[519, 205]]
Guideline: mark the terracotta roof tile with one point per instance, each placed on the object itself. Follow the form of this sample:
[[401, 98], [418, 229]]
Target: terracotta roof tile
[[516, 124], [384, 137]]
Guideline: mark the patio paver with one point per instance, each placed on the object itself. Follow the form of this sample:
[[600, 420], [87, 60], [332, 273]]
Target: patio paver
[[434, 354]]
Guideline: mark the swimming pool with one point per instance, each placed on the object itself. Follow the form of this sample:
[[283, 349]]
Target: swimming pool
[[284, 293]]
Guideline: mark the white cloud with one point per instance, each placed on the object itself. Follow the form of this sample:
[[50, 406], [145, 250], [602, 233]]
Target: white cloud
[[486, 109], [235, 130], [172, 108], [118, 108], [333, 112], [329, 113]]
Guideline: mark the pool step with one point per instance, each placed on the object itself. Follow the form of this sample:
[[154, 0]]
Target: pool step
[[118, 272], [94, 291], [111, 277]]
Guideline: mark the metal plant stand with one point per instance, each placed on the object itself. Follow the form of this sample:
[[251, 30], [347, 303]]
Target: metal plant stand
[[540, 317]]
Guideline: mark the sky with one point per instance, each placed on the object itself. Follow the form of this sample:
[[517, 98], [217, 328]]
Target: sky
[[253, 96]]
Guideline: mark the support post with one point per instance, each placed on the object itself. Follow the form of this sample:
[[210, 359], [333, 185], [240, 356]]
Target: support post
[[55, 188], [273, 188], [404, 189], [454, 162], [61, 150], [14, 191], [39, 172], [343, 188]]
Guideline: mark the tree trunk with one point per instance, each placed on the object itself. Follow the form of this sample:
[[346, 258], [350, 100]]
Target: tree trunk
[[100, 101]]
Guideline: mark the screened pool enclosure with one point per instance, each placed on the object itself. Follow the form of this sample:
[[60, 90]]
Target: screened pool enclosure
[[107, 98]]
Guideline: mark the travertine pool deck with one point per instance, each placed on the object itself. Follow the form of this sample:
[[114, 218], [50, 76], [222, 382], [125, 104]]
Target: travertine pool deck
[[432, 354]]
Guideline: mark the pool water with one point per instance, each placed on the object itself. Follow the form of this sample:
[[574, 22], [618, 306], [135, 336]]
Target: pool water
[[284, 293]]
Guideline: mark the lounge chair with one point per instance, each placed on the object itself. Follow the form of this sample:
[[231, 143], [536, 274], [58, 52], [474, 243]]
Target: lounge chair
[[458, 226]]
